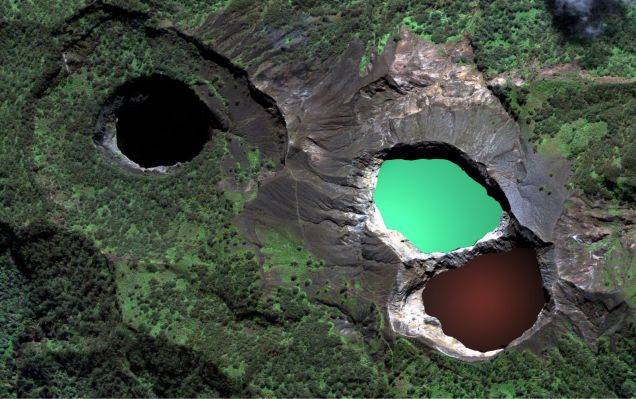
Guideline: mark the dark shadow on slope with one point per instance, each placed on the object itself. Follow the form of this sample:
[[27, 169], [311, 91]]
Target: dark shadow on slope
[[585, 19], [161, 121]]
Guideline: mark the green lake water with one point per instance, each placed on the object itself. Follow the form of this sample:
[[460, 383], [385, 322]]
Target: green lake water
[[434, 203]]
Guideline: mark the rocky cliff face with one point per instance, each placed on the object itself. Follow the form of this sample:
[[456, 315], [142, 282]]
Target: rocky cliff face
[[417, 100]]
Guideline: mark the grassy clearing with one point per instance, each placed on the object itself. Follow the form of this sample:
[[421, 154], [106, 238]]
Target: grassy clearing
[[285, 257]]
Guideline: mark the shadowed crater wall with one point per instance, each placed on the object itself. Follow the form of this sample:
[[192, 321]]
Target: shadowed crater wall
[[161, 122], [489, 301], [444, 151]]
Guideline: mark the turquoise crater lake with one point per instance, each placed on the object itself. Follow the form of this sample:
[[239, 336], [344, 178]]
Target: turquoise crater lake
[[434, 204]]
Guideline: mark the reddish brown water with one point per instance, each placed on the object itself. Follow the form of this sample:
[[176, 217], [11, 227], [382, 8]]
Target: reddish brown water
[[489, 301]]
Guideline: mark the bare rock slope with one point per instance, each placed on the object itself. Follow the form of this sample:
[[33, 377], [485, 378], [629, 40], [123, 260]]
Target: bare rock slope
[[417, 100]]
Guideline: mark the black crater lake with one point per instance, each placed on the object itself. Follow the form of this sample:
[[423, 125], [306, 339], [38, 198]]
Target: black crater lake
[[434, 204], [489, 301], [161, 122]]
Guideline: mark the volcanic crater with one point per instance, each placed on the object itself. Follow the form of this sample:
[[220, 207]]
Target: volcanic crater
[[473, 300], [414, 101], [488, 301], [157, 121], [161, 122], [333, 130]]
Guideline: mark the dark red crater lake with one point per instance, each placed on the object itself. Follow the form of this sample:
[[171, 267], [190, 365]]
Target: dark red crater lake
[[489, 301]]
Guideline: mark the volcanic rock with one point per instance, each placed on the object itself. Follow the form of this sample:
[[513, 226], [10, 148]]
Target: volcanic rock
[[416, 99]]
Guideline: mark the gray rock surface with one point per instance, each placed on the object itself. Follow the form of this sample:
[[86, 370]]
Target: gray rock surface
[[417, 100]]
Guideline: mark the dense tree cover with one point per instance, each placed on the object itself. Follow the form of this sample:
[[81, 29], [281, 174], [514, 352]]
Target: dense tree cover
[[15, 316], [181, 306], [569, 370], [67, 338], [77, 345], [511, 34], [591, 123]]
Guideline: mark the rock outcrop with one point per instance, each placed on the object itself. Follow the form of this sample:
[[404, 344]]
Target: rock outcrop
[[417, 99]]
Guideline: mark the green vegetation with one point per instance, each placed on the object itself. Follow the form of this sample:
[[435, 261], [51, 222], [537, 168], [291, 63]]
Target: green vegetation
[[569, 370], [115, 283], [15, 319], [520, 35], [71, 341], [286, 256], [189, 14], [592, 123], [78, 343]]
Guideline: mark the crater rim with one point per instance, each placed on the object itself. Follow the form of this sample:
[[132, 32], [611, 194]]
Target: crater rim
[[107, 132]]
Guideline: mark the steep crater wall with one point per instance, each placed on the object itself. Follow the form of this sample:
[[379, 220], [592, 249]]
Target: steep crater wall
[[414, 101], [155, 122]]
